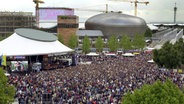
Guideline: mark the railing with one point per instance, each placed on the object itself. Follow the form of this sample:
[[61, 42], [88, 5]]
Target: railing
[[164, 36], [178, 36], [168, 36]]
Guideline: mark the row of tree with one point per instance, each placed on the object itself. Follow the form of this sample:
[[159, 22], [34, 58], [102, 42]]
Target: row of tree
[[126, 43], [170, 56]]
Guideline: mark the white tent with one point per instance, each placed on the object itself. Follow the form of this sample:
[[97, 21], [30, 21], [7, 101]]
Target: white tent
[[6, 74], [110, 54], [151, 61], [92, 54], [152, 27], [149, 48], [17, 45], [128, 54]]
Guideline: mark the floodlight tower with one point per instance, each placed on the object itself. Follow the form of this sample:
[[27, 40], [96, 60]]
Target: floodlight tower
[[175, 9], [37, 2]]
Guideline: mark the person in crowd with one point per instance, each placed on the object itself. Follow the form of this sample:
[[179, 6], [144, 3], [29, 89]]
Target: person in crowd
[[105, 81]]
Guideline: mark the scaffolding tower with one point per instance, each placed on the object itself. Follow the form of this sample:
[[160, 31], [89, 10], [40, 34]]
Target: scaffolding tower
[[12, 20]]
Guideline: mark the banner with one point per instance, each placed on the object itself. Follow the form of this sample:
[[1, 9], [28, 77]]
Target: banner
[[3, 60]]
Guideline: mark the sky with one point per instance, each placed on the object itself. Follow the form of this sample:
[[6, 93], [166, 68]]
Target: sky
[[155, 11]]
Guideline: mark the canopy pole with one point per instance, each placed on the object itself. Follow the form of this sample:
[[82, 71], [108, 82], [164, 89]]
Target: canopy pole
[[30, 63], [29, 58], [36, 58]]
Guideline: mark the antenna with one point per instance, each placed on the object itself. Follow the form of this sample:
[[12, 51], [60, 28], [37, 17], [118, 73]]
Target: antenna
[[175, 9]]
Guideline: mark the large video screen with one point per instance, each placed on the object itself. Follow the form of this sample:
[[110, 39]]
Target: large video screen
[[50, 14], [19, 65]]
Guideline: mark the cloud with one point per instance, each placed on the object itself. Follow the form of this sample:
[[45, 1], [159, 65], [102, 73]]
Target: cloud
[[156, 10], [17, 5]]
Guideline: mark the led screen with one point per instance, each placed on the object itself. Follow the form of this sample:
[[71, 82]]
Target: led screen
[[46, 14], [19, 65]]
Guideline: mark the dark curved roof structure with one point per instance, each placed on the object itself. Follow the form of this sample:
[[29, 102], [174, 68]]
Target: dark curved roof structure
[[36, 34], [116, 24]]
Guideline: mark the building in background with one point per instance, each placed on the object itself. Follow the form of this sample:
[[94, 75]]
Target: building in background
[[67, 26], [47, 16], [9, 21], [59, 20], [92, 35], [116, 24]]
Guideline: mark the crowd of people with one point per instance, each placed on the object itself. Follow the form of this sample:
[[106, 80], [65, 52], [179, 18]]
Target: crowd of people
[[105, 81]]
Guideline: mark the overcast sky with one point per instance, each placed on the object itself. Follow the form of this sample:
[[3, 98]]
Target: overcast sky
[[155, 11]]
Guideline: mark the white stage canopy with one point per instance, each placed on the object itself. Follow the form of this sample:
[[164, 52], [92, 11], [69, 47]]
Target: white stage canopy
[[20, 45]]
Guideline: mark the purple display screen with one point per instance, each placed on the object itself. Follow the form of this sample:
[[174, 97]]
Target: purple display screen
[[52, 13]]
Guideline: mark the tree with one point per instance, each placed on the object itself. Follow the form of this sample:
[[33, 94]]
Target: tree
[[156, 58], [7, 35], [158, 93], [172, 59], [99, 44], [113, 43], [7, 92], [86, 45], [60, 38], [139, 41], [148, 33], [125, 42], [167, 56], [73, 41], [179, 45]]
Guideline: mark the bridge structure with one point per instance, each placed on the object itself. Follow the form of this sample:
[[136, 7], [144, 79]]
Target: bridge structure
[[172, 35]]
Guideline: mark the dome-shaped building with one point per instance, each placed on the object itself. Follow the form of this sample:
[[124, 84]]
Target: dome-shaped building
[[116, 24]]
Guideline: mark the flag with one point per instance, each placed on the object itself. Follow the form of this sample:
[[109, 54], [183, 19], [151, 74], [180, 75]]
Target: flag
[[3, 60], [0, 60]]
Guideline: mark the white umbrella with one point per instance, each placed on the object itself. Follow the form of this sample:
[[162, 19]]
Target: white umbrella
[[128, 54], [151, 61], [7, 74], [110, 54], [92, 54]]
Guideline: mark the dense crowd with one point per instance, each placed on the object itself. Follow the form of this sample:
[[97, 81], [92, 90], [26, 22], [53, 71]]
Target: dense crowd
[[105, 81]]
